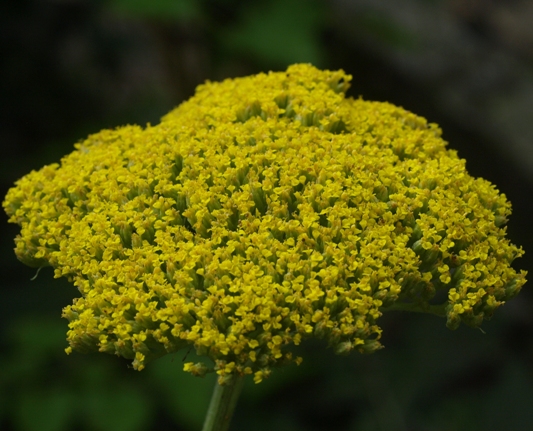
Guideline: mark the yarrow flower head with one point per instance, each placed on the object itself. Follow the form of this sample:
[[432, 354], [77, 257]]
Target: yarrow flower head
[[264, 211]]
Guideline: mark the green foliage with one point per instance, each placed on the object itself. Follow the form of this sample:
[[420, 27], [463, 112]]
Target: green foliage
[[44, 410], [278, 32], [53, 392], [270, 32]]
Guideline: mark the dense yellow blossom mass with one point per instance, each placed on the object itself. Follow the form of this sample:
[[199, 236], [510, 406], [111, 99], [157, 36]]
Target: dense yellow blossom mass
[[264, 211]]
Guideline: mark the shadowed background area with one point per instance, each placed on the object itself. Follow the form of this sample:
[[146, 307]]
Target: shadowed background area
[[73, 67]]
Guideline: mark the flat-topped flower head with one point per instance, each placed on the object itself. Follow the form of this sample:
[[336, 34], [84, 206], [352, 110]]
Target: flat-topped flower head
[[264, 211]]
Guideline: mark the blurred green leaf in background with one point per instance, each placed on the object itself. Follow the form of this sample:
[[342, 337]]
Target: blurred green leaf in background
[[52, 392], [278, 32]]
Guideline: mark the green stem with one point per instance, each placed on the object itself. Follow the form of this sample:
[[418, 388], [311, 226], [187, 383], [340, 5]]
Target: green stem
[[223, 404]]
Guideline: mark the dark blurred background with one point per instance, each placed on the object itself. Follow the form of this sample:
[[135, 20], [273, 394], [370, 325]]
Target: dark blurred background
[[73, 67]]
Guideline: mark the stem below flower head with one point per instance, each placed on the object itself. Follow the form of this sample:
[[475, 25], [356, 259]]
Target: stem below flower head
[[223, 404]]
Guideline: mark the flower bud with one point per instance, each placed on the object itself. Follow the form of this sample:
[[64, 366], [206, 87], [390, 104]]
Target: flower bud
[[344, 348]]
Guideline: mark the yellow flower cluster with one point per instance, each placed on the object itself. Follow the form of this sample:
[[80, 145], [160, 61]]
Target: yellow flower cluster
[[264, 211]]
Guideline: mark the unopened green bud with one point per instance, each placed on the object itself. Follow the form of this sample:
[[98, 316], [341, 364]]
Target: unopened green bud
[[429, 257], [409, 221], [453, 321], [188, 320], [370, 346], [201, 350], [428, 291], [171, 269], [136, 241], [499, 220], [417, 247], [475, 320], [344, 348], [263, 359], [282, 100], [87, 343], [259, 198], [320, 330], [457, 274], [107, 348], [382, 193], [252, 110], [124, 348], [429, 183], [512, 288], [417, 232], [334, 336]]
